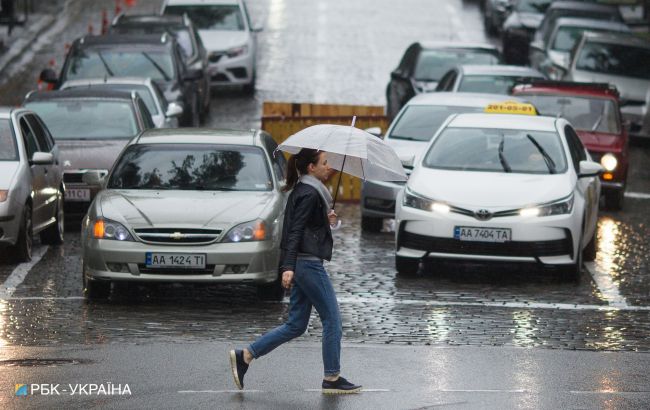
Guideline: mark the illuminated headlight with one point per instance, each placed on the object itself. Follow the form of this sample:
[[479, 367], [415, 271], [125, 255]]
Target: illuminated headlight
[[107, 229], [237, 51], [563, 206], [413, 200], [247, 232], [609, 162]]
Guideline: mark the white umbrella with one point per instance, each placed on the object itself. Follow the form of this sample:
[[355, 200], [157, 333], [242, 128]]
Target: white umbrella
[[350, 150]]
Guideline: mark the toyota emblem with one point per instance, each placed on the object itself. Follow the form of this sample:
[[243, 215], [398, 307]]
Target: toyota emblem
[[483, 214]]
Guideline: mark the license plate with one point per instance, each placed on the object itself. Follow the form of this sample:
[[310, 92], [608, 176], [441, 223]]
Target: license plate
[[77, 194], [175, 260], [471, 233]]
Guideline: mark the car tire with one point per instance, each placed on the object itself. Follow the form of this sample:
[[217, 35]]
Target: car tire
[[53, 235], [272, 291], [371, 224], [614, 200], [249, 89], [589, 252], [406, 267], [573, 271], [22, 250], [93, 289]]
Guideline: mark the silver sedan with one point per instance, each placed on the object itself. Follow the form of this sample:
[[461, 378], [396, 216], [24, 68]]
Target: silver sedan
[[188, 205]]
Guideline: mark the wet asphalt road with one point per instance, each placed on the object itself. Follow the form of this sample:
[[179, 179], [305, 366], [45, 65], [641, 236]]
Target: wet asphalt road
[[340, 52]]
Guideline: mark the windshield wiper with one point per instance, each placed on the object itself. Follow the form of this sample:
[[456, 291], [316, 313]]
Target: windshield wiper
[[157, 66], [108, 69], [502, 158], [401, 137], [550, 164]]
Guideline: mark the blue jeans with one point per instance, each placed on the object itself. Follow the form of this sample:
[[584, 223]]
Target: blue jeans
[[311, 287]]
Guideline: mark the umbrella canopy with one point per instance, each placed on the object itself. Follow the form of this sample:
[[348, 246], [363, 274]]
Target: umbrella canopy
[[350, 150]]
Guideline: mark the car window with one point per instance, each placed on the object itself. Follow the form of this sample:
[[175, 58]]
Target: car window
[[142, 90], [39, 133], [615, 59], [8, 147], [497, 150], [146, 115], [589, 114], [155, 64], [48, 135], [211, 16], [420, 122], [87, 119], [28, 138], [206, 167], [532, 6], [184, 40], [567, 36], [277, 157], [492, 84], [433, 64], [447, 82], [575, 147]]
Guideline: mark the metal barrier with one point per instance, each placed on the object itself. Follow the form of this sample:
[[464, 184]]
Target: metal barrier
[[284, 119]]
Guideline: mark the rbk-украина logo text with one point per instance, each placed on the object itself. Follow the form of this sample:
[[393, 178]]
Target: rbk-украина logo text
[[78, 389]]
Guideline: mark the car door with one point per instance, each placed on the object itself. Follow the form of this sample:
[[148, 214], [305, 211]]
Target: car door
[[38, 174], [586, 187], [51, 171]]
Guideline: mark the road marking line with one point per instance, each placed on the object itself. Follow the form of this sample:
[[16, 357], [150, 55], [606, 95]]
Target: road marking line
[[20, 272], [44, 298], [362, 390], [606, 286], [219, 391], [637, 195], [484, 390]]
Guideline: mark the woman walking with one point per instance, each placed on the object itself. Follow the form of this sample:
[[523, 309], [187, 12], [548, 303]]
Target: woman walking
[[306, 241]]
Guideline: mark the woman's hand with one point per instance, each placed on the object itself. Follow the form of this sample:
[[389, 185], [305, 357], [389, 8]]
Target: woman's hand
[[287, 279], [332, 217]]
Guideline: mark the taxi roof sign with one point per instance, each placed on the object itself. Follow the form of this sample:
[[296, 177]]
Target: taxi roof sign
[[511, 107]]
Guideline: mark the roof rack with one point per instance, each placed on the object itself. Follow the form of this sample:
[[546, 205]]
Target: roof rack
[[609, 88]]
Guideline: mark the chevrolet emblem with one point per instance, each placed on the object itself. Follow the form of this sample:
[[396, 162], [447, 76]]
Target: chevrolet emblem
[[177, 236]]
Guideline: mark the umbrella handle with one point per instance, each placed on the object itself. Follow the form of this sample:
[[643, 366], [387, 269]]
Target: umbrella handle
[[336, 192]]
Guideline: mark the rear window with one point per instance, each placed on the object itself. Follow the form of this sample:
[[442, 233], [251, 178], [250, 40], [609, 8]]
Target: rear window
[[433, 64], [87, 119], [567, 36], [8, 148], [615, 59], [420, 122], [491, 84], [211, 17], [158, 65], [143, 91]]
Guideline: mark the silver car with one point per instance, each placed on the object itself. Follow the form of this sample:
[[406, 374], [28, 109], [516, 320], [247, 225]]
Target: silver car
[[492, 79], [622, 60], [163, 114], [187, 205], [408, 135], [31, 184]]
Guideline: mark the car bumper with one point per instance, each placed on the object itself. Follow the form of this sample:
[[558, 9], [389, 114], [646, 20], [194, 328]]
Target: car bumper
[[125, 261], [9, 226], [378, 198], [232, 71], [551, 240]]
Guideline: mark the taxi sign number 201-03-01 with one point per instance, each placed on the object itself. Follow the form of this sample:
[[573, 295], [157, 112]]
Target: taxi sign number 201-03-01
[[470, 233]]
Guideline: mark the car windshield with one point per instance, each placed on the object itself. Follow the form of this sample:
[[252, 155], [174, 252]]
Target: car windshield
[[87, 119], [211, 17], [433, 64], [158, 65], [192, 167], [143, 91], [8, 150], [420, 122], [589, 114], [615, 59], [497, 150], [567, 36], [532, 6], [493, 84], [182, 34]]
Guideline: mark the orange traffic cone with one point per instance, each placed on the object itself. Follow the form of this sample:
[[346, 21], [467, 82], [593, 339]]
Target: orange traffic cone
[[104, 22]]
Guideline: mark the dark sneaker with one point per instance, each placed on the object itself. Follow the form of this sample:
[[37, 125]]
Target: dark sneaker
[[340, 386], [238, 366]]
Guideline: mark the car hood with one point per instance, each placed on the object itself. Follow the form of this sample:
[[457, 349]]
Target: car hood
[[629, 88], [222, 40], [7, 171], [407, 151], [145, 208], [89, 154], [601, 142], [488, 189]]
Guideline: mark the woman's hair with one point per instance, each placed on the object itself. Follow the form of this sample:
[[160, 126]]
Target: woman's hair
[[298, 164]]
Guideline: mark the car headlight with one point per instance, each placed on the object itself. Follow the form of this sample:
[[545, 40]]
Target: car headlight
[[247, 232], [3, 195], [413, 200], [560, 207], [609, 162], [237, 51], [107, 229]]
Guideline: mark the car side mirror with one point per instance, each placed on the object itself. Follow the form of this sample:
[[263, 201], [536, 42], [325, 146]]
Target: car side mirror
[[376, 131], [590, 169], [174, 110], [42, 158], [48, 76], [94, 178], [193, 75]]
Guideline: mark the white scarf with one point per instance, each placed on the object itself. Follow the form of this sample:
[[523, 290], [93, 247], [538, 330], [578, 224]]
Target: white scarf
[[320, 187]]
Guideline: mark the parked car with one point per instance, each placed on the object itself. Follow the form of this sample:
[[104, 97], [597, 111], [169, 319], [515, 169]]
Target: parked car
[[229, 36], [593, 111], [188, 206], [551, 54], [519, 28], [408, 135], [194, 53], [498, 79], [423, 64], [154, 56], [508, 188], [31, 184], [163, 114], [90, 127], [622, 60]]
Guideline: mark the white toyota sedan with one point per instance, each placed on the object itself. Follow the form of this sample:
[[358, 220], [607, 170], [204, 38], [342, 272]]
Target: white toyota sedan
[[500, 187]]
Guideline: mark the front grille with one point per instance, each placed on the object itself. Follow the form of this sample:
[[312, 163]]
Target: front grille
[[178, 236], [238, 72], [209, 270], [512, 248]]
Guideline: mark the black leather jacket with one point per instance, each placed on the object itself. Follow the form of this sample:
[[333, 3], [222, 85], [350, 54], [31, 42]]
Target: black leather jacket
[[306, 228]]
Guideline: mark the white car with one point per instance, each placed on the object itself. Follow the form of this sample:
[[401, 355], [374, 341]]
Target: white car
[[501, 188], [228, 36]]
